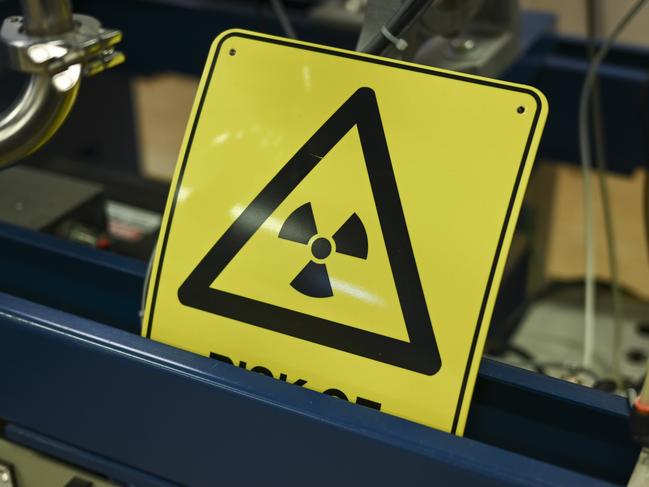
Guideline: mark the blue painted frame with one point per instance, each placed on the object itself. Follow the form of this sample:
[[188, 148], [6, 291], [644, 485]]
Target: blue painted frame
[[74, 361], [195, 421]]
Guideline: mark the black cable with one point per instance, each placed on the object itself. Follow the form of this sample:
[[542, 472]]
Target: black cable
[[402, 18]]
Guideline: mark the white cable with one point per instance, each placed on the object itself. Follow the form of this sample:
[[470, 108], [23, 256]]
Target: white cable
[[589, 274], [399, 44], [584, 146]]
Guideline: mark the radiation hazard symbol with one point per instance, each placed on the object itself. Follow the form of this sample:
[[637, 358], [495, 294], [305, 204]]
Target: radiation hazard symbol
[[419, 353], [350, 239], [341, 222]]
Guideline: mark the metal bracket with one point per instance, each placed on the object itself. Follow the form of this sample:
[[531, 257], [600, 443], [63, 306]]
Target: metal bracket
[[474, 36]]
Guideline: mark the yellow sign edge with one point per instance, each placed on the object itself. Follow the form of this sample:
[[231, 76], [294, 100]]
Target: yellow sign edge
[[504, 242]]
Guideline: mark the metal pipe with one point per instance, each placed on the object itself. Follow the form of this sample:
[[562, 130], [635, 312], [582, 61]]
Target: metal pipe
[[47, 17], [33, 118], [41, 109]]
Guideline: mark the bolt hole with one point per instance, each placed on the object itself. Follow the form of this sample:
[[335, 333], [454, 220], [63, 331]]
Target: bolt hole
[[521, 109], [233, 52]]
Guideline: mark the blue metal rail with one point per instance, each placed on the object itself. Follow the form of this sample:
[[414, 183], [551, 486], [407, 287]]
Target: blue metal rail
[[103, 397], [196, 421]]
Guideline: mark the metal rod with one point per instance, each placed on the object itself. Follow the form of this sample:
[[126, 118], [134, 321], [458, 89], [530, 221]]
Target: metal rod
[[41, 109], [47, 17]]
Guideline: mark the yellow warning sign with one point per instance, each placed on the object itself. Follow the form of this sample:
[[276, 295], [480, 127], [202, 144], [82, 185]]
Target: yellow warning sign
[[341, 222]]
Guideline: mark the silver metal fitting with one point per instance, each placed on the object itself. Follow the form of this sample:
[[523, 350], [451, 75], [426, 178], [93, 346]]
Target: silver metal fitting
[[86, 50]]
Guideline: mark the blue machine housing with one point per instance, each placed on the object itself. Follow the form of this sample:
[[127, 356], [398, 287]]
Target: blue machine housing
[[80, 384]]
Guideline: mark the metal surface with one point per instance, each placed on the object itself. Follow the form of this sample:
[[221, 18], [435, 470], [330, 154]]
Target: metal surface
[[33, 469], [43, 201], [195, 421]]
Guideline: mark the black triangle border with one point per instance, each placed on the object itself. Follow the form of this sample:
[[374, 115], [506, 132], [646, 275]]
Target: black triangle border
[[420, 354], [383, 62]]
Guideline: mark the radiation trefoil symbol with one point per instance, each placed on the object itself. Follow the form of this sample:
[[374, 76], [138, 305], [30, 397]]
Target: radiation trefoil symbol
[[200, 290], [350, 239]]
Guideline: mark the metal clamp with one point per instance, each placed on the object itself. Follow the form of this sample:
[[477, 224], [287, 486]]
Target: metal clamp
[[86, 50]]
